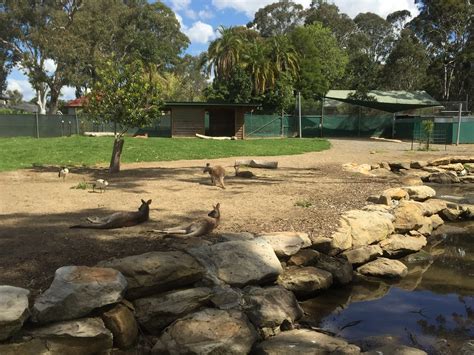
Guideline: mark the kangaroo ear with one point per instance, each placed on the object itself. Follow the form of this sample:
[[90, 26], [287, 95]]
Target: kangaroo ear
[[143, 201], [207, 164], [217, 206], [148, 202]]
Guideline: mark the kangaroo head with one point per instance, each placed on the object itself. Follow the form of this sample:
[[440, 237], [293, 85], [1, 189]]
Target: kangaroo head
[[236, 167], [207, 168], [145, 205], [215, 213]]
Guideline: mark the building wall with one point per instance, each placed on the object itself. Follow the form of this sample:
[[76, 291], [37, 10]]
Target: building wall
[[186, 121], [239, 123]]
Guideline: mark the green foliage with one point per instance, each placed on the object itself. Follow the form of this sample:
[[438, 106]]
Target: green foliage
[[90, 151], [236, 88], [428, 127], [277, 19], [124, 94]]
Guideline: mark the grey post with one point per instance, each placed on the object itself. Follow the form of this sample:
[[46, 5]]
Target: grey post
[[37, 125], [299, 115], [459, 123]]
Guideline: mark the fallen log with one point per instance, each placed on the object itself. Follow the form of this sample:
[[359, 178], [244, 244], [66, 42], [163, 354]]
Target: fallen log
[[386, 139], [202, 136], [264, 164]]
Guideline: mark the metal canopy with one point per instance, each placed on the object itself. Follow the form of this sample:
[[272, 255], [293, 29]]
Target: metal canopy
[[388, 101]]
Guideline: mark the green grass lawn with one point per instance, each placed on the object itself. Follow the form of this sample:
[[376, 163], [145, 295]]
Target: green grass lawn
[[24, 152]]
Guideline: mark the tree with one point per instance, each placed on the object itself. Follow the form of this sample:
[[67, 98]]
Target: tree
[[277, 19], [125, 95], [15, 97], [321, 61], [237, 87]]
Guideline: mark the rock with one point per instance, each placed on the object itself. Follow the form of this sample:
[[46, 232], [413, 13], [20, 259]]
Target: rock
[[409, 215], [377, 208], [396, 193], [383, 267], [462, 159], [322, 244], [82, 336], [419, 257], [231, 237], [440, 161], [76, 291], [450, 214], [433, 206], [419, 164], [419, 193], [395, 350], [467, 348], [121, 322], [156, 272], [395, 166], [356, 168], [363, 254], [305, 281], [398, 245], [267, 308], [304, 341], [385, 165], [210, 331], [359, 228], [411, 180], [427, 226], [381, 172], [13, 310], [157, 312], [340, 268], [26, 346], [377, 341], [240, 263], [380, 199], [226, 297], [457, 167], [469, 179], [286, 243], [443, 178]]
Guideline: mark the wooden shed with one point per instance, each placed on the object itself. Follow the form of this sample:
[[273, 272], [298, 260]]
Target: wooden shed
[[189, 118]]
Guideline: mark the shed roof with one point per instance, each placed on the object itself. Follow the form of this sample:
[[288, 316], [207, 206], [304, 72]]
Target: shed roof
[[209, 104], [79, 102], [389, 101]]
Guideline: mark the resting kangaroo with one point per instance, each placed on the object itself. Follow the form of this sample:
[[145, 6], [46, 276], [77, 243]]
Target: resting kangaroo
[[119, 219], [244, 174], [217, 173], [199, 227]]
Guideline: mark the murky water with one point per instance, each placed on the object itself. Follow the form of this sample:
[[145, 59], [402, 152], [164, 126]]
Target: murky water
[[432, 308]]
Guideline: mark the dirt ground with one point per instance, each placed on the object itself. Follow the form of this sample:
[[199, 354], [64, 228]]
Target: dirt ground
[[306, 193]]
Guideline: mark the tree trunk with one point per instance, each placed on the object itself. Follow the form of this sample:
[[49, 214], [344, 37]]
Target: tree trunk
[[54, 101], [116, 153], [41, 94]]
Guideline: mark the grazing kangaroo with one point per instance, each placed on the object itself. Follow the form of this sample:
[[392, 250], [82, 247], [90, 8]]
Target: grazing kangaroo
[[199, 227], [243, 174], [119, 219], [217, 173]]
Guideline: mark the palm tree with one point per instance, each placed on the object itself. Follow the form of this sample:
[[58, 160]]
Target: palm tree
[[283, 55], [260, 67]]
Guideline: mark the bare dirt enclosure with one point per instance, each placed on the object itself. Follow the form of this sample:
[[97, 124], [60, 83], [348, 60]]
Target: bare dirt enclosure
[[306, 193]]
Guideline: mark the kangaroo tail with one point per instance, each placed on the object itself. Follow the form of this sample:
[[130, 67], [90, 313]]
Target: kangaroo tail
[[90, 226]]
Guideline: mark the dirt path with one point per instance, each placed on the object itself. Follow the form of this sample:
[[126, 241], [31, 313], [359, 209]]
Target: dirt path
[[36, 208]]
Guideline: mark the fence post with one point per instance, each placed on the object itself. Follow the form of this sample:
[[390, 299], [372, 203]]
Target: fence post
[[77, 123], [299, 114], [321, 123], [459, 123], [282, 130], [37, 125]]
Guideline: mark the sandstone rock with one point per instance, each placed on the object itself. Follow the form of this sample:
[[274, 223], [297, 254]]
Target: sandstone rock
[[305, 281], [231, 237], [13, 310], [443, 178], [27, 346], [395, 166], [121, 322], [396, 350], [356, 168], [412, 180], [462, 159], [427, 226], [408, 216], [377, 341], [76, 291], [398, 245], [385, 165], [322, 244], [380, 199], [377, 208], [267, 308], [457, 167], [226, 297], [305, 341], [419, 257], [469, 179], [286, 243], [467, 348], [419, 193], [157, 312], [383, 267], [83, 337], [363, 254], [240, 263], [396, 193], [340, 268], [210, 331], [381, 172], [450, 214], [440, 161], [419, 164], [433, 206], [156, 272], [359, 228]]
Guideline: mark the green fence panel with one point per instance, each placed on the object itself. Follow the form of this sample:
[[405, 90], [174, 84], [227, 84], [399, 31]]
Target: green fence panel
[[466, 133], [17, 125]]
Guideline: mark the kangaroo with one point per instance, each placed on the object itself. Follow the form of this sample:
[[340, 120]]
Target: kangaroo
[[119, 219], [199, 227], [217, 174], [244, 174]]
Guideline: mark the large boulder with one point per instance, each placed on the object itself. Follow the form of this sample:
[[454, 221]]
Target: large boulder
[[436, 221], [13, 310], [383, 267], [305, 341], [457, 167], [156, 272], [362, 255], [340, 268], [267, 308], [155, 313], [286, 243], [240, 263], [359, 228], [396, 193], [440, 161], [395, 350], [420, 193], [76, 291], [443, 178], [418, 164], [398, 245], [432, 206], [305, 281], [210, 331], [120, 320], [357, 168], [409, 215]]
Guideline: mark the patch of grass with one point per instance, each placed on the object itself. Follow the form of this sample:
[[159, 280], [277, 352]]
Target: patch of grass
[[24, 152], [304, 204]]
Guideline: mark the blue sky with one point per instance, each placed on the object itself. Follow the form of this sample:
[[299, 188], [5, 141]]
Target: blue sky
[[200, 19]]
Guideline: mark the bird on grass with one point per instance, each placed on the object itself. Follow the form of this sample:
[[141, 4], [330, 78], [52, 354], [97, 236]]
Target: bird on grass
[[100, 184], [63, 172]]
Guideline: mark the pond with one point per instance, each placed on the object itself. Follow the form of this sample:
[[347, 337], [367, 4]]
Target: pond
[[432, 308]]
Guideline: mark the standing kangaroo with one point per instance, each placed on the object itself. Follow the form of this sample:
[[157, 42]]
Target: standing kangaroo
[[119, 219], [199, 227], [217, 174]]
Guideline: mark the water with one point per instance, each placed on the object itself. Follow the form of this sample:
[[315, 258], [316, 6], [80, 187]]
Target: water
[[432, 308]]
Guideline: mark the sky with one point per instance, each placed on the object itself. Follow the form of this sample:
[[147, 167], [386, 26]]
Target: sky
[[200, 19]]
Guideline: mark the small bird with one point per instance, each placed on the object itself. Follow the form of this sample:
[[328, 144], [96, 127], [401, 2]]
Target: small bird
[[100, 184], [63, 172]]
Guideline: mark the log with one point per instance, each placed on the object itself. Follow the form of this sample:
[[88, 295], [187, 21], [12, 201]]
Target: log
[[202, 136], [386, 139], [99, 134], [264, 164]]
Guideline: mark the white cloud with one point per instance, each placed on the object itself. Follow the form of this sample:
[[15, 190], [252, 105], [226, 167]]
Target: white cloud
[[200, 32], [68, 93], [50, 66], [249, 7], [180, 4], [23, 86]]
